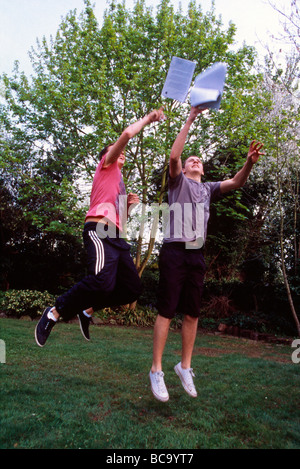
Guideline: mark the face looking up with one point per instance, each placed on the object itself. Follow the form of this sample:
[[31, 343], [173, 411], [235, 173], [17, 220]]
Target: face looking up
[[193, 167]]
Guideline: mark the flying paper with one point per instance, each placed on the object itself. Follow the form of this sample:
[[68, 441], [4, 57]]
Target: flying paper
[[178, 79], [208, 88]]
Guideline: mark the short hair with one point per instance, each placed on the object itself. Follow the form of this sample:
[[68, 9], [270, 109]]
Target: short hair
[[104, 150]]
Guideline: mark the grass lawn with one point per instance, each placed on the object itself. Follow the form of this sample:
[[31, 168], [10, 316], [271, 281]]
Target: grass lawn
[[77, 394]]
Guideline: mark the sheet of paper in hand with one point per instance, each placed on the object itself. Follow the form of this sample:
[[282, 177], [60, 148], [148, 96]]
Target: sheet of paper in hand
[[178, 79], [208, 88]]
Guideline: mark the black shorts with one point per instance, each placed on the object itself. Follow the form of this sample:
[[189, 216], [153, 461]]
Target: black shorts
[[181, 280]]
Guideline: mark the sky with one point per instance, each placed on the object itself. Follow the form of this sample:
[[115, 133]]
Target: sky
[[22, 22]]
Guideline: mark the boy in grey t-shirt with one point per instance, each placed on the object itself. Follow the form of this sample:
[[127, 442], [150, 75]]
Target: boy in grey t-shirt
[[182, 264], [189, 203]]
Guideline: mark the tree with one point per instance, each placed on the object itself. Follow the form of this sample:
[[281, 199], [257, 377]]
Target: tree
[[284, 124], [287, 66], [283, 206], [89, 82]]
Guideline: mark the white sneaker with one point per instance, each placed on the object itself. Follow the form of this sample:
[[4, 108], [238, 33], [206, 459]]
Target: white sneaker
[[158, 386], [186, 377]]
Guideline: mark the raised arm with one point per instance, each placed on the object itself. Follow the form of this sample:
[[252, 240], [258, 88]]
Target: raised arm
[[116, 149], [241, 176], [177, 148]]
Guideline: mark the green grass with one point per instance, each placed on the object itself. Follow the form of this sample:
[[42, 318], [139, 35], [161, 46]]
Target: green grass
[[77, 394]]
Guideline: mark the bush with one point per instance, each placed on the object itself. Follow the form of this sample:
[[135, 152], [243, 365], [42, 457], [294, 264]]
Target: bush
[[218, 306], [17, 303], [254, 321], [140, 316], [210, 324]]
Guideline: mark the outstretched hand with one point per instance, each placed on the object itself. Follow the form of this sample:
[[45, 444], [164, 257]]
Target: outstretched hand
[[254, 151], [195, 111], [157, 115], [132, 200]]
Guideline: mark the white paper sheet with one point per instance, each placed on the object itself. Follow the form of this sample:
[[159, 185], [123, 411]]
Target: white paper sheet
[[208, 88], [178, 79]]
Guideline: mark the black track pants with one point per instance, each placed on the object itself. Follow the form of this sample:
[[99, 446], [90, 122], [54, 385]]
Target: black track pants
[[112, 278]]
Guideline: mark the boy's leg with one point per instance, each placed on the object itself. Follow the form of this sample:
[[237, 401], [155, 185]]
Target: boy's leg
[[172, 274], [161, 330], [128, 283], [188, 334], [103, 262], [156, 375], [183, 369], [190, 306], [98, 284]]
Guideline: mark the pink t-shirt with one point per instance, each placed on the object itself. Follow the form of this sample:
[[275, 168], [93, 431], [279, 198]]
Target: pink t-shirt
[[108, 196]]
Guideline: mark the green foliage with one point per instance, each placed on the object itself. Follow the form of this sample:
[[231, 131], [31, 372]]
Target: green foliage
[[254, 322], [89, 82], [17, 303], [124, 316]]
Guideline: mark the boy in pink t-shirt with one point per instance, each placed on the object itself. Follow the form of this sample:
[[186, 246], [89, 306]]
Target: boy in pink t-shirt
[[108, 194], [112, 277]]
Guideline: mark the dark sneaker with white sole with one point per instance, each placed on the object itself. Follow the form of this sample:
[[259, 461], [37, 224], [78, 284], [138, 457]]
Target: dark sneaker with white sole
[[84, 323], [43, 328]]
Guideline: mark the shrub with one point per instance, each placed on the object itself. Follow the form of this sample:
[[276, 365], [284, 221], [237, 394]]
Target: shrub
[[210, 324], [32, 303], [140, 316], [218, 306], [254, 321]]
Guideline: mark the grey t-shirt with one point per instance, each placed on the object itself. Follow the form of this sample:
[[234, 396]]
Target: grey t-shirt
[[189, 203]]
